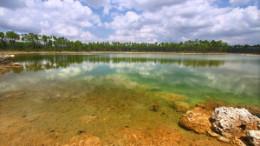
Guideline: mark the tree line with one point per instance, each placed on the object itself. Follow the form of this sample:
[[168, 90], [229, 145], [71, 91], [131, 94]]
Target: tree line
[[12, 41]]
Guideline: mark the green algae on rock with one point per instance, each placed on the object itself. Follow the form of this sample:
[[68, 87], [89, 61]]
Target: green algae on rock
[[182, 106]]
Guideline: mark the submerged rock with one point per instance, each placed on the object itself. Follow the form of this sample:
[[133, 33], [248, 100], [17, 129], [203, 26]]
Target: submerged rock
[[87, 119], [7, 67], [151, 137], [80, 132], [181, 106], [233, 122], [254, 137], [197, 120], [223, 139], [15, 65], [4, 70], [14, 95], [3, 60], [84, 140], [155, 89], [155, 107], [209, 105], [171, 97]]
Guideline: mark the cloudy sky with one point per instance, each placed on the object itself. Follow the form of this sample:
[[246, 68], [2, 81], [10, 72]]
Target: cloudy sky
[[233, 21]]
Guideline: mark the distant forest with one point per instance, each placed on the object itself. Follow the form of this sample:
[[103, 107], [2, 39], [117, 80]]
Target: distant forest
[[12, 41]]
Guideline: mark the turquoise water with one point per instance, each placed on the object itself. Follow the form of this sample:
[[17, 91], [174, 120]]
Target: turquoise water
[[53, 98], [229, 78]]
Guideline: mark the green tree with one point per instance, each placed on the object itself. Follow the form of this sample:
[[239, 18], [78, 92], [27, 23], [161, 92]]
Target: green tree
[[44, 39], [77, 46], [12, 37], [2, 42], [2, 35], [33, 39]]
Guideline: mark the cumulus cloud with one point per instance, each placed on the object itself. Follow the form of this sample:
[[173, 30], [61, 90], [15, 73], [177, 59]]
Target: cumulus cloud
[[67, 18], [132, 27], [135, 20], [189, 20]]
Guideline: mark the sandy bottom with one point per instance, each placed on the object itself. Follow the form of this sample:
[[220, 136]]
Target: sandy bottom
[[103, 111]]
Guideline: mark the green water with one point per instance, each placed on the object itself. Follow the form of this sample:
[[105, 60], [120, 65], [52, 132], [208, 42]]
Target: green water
[[230, 78], [101, 93]]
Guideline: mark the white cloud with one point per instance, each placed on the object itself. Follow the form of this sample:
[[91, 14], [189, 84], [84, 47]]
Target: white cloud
[[135, 20], [88, 37], [188, 20], [67, 18], [130, 27]]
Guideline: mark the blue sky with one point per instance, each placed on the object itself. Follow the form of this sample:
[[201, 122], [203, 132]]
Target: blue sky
[[233, 21]]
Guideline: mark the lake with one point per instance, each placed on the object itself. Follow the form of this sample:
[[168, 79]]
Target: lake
[[54, 98]]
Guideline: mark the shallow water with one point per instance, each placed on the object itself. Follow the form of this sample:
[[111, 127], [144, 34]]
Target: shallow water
[[55, 97]]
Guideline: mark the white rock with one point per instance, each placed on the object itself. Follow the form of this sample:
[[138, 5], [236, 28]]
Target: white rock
[[233, 122], [254, 137]]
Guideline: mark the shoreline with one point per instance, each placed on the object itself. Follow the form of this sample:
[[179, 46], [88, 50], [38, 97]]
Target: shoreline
[[55, 52]]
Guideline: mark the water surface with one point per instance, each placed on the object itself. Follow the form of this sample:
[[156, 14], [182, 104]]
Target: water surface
[[65, 95]]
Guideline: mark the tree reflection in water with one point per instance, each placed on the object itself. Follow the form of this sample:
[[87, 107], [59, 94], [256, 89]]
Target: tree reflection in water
[[37, 62]]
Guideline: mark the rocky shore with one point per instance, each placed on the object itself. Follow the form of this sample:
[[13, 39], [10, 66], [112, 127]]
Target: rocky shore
[[6, 65], [233, 126], [228, 124]]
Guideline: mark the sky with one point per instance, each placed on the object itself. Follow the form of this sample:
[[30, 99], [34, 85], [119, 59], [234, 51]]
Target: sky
[[233, 21]]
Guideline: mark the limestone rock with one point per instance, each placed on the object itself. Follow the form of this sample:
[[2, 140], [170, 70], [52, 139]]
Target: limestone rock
[[213, 134], [4, 70], [254, 137], [15, 65], [223, 139], [255, 110], [87, 119], [181, 106], [197, 120], [233, 122], [157, 136], [155, 107], [14, 95], [84, 140]]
